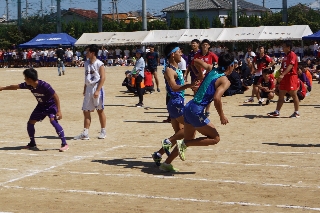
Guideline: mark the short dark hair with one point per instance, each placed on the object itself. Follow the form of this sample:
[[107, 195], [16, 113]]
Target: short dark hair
[[288, 43], [225, 60], [205, 41], [31, 73], [93, 48], [195, 40], [169, 48], [267, 71]]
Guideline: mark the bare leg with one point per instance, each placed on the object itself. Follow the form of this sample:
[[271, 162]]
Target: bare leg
[[102, 118], [87, 119]]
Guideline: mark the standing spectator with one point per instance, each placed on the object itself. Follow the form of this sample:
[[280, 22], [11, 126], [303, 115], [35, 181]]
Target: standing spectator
[[93, 92], [138, 74], [118, 52], [153, 61], [195, 43], [315, 49], [60, 57], [288, 80], [262, 61]]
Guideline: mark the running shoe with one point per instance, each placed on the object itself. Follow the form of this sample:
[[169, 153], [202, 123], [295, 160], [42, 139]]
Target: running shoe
[[166, 145], [158, 89], [181, 149], [267, 102], [168, 168], [102, 135], [260, 103], [274, 114], [64, 148], [250, 100], [295, 115], [82, 136], [139, 105], [30, 146], [157, 158]]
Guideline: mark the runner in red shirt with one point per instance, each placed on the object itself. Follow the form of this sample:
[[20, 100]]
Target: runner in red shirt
[[288, 80], [208, 57]]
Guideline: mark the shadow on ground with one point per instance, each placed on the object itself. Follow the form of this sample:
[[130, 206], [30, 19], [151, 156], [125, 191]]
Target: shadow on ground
[[292, 144], [144, 122], [54, 137], [253, 116], [146, 167]]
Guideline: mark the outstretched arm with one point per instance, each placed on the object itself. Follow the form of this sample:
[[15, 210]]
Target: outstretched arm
[[11, 87]]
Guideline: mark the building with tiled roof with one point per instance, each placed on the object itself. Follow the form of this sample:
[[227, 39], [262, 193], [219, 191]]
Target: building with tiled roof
[[74, 14], [213, 8]]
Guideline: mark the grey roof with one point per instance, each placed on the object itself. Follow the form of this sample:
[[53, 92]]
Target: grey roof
[[214, 4]]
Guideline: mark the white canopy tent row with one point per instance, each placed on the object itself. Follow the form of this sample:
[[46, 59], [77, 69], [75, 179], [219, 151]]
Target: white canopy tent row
[[239, 34]]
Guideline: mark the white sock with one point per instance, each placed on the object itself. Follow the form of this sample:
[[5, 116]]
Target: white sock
[[85, 131], [297, 112], [103, 130]]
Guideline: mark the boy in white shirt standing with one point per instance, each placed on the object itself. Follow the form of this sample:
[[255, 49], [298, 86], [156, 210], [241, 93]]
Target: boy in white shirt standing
[[93, 92]]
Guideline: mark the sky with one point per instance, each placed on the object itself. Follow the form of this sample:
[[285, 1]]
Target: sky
[[153, 6]]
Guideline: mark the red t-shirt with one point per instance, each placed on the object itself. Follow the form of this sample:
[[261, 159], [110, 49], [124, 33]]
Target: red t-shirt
[[269, 84], [209, 58], [29, 54], [1, 55], [262, 62], [290, 58]]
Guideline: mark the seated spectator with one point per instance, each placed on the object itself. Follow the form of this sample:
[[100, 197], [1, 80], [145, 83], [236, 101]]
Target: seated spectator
[[266, 86], [303, 78], [236, 84], [127, 82]]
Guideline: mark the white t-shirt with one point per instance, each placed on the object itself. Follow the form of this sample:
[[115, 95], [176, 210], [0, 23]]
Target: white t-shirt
[[252, 55], [92, 75], [182, 65], [127, 53], [118, 51]]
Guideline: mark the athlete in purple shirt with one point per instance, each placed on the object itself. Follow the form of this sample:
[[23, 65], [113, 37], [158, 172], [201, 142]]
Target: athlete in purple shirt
[[48, 105]]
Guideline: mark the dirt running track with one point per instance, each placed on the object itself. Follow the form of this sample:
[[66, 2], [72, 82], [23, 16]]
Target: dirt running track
[[260, 165]]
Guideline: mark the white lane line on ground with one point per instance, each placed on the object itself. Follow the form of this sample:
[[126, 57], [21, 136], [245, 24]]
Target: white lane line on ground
[[54, 166], [202, 179], [167, 198], [9, 170], [228, 163]]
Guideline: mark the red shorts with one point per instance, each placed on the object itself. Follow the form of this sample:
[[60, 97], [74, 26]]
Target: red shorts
[[289, 82]]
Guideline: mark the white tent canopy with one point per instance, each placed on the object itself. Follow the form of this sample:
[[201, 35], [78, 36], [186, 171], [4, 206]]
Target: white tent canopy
[[262, 33], [127, 38], [163, 36]]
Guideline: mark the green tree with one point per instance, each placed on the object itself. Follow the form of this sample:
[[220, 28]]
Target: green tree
[[195, 22], [204, 23], [216, 23], [176, 23]]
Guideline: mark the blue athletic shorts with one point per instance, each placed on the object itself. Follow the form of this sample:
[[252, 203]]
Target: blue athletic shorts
[[194, 114], [175, 107]]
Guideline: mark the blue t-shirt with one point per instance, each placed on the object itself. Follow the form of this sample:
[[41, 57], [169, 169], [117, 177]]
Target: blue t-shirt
[[179, 81], [207, 89], [152, 59]]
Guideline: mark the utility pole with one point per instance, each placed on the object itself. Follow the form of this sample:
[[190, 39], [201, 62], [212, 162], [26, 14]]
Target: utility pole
[[99, 16], [112, 1], [27, 9], [144, 15], [7, 8], [41, 9], [187, 15], [116, 6], [19, 14], [285, 12], [58, 16], [262, 3], [235, 13]]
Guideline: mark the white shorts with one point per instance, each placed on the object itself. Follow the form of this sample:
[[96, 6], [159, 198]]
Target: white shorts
[[89, 102]]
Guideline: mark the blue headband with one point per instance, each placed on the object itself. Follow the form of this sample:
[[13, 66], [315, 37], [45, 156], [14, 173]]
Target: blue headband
[[223, 68], [172, 51], [165, 60]]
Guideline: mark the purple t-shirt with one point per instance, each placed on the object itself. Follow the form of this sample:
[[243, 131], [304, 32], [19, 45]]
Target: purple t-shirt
[[43, 93]]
